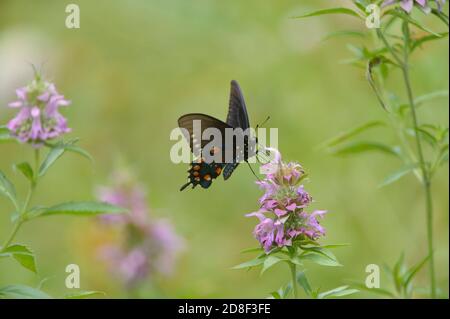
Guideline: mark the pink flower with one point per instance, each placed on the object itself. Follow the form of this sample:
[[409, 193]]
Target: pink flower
[[38, 119], [149, 246], [282, 215]]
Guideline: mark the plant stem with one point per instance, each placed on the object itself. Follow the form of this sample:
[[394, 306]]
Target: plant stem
[[24, 209], [294, 279], [425, 176]]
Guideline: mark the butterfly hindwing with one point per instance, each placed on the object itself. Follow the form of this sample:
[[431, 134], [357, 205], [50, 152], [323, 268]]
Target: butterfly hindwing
[[228, 169]]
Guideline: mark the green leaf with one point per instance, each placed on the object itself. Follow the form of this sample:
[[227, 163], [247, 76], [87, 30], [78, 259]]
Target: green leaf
[[276, 295], [26, 170], [22, 254], [251, 263], [52, 156], [406, 17], [80, 151], [79, 209], [84, 294], [441, 15], [339, 10], [405, 170], [22, 292], [335, 246], [418, 101], [431, 37], [303, 282], [7, 189], [362, 147], [319, 258], [57, 150], [398, 272], [5, 135], [252, 250], [270, 262], [414, 270], [345, 136], [343, 33], [337, 292], [378, 291], [322, 251]]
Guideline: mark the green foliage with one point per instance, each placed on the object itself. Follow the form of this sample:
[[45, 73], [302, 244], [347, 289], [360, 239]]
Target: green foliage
[[22, 254], [7, 189], [22, 292], [5, 135], [294, 257], [26, 170], [76, 209], [401, 279], [84, 294], [403, 171], [340, 10]]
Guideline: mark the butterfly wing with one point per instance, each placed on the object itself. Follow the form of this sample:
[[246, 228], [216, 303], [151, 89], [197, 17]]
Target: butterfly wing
[[228, 169], [237, 111], [195, 138]]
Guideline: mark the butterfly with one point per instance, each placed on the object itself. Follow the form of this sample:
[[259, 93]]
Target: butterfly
[[202, 172]]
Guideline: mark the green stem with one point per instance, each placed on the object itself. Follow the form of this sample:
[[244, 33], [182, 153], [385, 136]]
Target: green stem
[[294, 279], [24, 209], [12, 235], [425, 176]]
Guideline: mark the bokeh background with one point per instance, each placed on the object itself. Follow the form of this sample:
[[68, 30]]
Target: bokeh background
[[134, 67]]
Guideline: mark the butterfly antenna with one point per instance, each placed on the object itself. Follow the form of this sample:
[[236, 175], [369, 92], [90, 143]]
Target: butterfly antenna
[[253, 171]]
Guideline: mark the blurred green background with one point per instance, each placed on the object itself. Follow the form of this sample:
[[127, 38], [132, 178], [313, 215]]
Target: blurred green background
[[134, 67]]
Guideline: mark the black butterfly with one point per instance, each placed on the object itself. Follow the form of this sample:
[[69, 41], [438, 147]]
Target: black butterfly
[[203, 172]]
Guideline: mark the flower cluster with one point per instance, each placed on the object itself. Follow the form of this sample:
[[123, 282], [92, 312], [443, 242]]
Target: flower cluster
[[407, 5], [148, 245], [38, 118], [282, 215]]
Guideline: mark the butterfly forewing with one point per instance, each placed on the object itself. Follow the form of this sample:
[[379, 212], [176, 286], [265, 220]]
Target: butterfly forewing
[[237, 111]]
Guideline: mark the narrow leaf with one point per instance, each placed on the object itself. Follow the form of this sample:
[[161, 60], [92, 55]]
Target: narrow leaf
[[269, 262], [337, 292], [339, 10], [319, 259], [405, 170], [303, 282], [5, 135], [22, 292], [26, 170], [23, 255], [345, 136], [362, 147], [84, 294], [418, 101], [250, 263], [378, 291], [7, 189], [78, 209], [53, 155], [414, 270]]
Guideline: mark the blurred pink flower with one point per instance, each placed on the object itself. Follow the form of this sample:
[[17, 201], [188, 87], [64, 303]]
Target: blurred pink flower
[[149, 247]]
